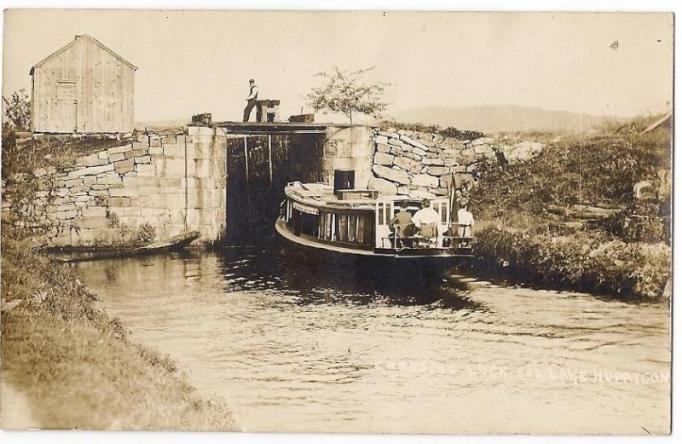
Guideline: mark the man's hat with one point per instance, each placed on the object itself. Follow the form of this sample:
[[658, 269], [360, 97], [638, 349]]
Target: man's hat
[[252, 81]]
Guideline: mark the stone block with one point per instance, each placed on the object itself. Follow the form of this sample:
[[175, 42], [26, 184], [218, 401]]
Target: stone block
[[91, 221], [143, 159], [437, 170], [124, 166], [124, 191], [141, 146], [89, 180], [141, 181], [73, 183], [383, 186], [174, 151], [107, 179], [94, 170], [382, 148], [119, 149], [425, 180], [421, 194], [380, 139], [433, 161], [446, 181], [481, 141], [91, 160], [395, 142], [405, 163], [407, 139], [84, 198], [146, 170], [103, 155], [136, 153], [419, 151], [116, 157], [157, 150], [169, 140], [391, 174], [70, 214], [119, 202], [383, 158], [92, 211]]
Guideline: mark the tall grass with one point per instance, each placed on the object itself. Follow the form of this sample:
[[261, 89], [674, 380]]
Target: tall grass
[[77, 366]]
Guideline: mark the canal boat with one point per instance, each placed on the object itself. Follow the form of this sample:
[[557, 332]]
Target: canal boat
[[357, 224]]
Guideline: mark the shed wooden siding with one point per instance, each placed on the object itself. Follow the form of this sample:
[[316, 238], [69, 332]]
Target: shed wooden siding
[[104, 86]]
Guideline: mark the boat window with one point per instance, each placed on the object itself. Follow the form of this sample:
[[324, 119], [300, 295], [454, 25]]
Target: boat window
[[342, 227], [443, 213], [380, 213], [352, 228]]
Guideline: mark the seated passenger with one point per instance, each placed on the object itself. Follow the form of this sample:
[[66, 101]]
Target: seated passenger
[[402, 222], [427, 220]]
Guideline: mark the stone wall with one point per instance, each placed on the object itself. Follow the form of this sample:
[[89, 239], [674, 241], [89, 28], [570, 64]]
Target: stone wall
[[171, 182], [423, 164]]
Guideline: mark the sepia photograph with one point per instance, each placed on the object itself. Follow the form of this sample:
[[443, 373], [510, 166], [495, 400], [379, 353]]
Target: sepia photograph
[[366, 222]]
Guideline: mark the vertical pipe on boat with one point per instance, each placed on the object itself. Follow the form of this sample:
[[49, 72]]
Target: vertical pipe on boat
[[270, 156]]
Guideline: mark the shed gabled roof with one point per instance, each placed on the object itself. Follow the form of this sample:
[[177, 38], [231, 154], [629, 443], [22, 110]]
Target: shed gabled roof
[[84, 36]]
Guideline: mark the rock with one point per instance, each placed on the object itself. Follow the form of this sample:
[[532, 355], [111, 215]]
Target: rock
[[407, 139], [404, 190], [91, 160], [380, 139], [522, 152], [395, 142], [421, 194], [446, 181], [382, 148], [143, 159], [383, 186], [124, 166], [91, 171], [405, 163], [120, 149], [433, 161], [482, 149], [116, 157], [391, 174], [383, 158], [437, 170], [419, 151], [482, 141], [424, 180]]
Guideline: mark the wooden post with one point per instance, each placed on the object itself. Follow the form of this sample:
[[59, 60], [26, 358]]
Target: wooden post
[[246, 179]]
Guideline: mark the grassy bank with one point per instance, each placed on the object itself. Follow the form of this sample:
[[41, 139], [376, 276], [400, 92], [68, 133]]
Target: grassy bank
[[571, 218], [76, 365]]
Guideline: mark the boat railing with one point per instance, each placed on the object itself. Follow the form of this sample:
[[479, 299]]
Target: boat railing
[[416, 241]]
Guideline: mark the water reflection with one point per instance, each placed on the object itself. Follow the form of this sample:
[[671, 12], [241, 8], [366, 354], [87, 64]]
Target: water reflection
[[291, 348]]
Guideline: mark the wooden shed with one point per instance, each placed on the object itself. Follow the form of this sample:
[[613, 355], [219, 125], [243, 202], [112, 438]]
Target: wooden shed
[[84, 87]]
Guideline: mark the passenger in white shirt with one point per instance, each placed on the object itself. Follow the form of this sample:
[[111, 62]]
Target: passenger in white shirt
[[465, 220], [426, 220]]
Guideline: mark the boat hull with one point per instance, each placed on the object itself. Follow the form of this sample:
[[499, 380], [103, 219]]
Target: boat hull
[[387, 262]]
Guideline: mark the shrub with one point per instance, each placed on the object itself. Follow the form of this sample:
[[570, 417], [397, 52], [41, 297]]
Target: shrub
[[582, 262], [146, 233]]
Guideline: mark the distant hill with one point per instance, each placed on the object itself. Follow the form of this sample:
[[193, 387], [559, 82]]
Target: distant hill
[[492, 119]]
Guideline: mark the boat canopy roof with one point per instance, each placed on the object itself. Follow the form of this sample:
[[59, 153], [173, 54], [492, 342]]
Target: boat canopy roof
[[322, 195]]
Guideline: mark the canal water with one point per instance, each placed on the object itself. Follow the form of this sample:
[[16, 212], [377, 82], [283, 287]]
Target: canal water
[[291, 347]]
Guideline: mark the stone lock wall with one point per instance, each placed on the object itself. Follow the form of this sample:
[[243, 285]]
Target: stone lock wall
[[422, 165], [173, 182]]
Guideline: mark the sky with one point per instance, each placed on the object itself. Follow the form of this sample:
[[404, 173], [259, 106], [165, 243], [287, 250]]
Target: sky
[[200, 61]]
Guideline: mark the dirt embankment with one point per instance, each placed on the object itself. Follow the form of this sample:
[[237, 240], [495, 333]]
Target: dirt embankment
[[591, 212], [76, 367]]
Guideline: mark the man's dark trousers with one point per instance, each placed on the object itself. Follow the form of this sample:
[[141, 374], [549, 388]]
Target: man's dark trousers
[[249, 106]]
